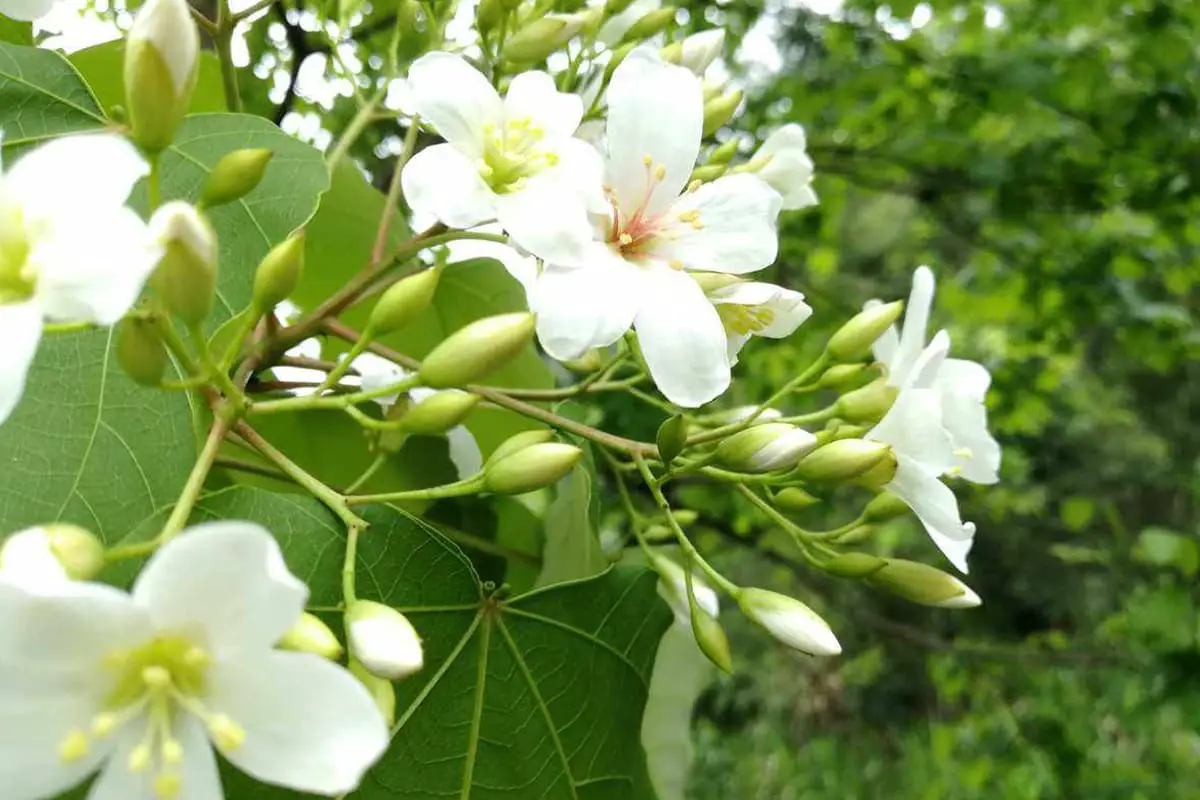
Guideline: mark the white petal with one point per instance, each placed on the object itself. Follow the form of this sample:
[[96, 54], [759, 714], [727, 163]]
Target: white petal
[[26, 560], [961, 376], [198, 776], [735, 230], [682, 337], [913, 427], [464, 451], [225, 581], [443, 182], [923, 372], [20, 330], [655, 114], [583, 167], [167, 24], [548, 218], [25, 10], [76, 175], [591, 306], [963, 386], [88, 620], [886, 345], [375, 373], [117, 781], [916, 323], [455, 98], [935, 505], [615, 27], [786, 309], [310, 725], [786, 138], [532, 96]]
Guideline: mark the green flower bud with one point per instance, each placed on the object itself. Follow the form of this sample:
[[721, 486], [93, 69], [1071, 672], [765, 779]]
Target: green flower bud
[[884, 506], [531, 468], [881, 474], [856, 535], [161, 66], [672, 437], [617, 57], [765, 447], [720, 110], [868, 403], [477, 350], [924, 585], [725, 153], [279, 273], [840, 375], [659, 533], [614, 7], [186, 277], [649, 25], [311, 635], [791, 622], [519, 442], [404, 301], [684, 516], [235, 176], [381, 690], [539, 38], [853, 565], [140, 351], [672, 53], [711, 639], [489, 14], [712, 89], [383, 640], [842, 460], [794, 499], [80, 551], [709, 172], [854, 339], [590, 361], [438, 413], [48, 554]]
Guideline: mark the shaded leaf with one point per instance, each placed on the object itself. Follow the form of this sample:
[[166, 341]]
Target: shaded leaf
[[103, 68]]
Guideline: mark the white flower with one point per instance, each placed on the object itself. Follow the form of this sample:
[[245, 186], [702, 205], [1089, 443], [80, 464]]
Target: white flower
[[791, 622], [783, 162], [962, 385], [378, 372], [168, 26], [70, 250], [25, 10], [699, 50], [749, 308], [513, 159], [672, 588], [142, 687], [636, 271], [27, 560], [383, 640]]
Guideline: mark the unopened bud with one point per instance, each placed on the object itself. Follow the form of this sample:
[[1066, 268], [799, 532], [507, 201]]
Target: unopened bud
[[672, 587], [80, 551], [766, 447], [881, 474], [279, 273], [541, 37], [613, 7], [617, 57], [794, 498], [383, 640], [684, 516], [672, 437], [922, 584], [709, 172], [842, 460], [477, 350], [49, 554], [311, 635], [720, 110], [699, 50], [712, 89], [853, 565], [589, 362], [235, 176], [650, 25], [438, 413], [725, 153], [856, 535], [840, 375], [789, 621], [140, 351], [884, 506], [519, 442], [488, 15], [854, 339], [186, 277], [404, 301], [711, 639], [659, 533], [868, 403], [381, 690], [531, 468], [162, 54]]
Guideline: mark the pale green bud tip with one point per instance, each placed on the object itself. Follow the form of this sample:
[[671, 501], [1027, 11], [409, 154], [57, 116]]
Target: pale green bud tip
[[380, 689], [617, 57], [235, 176], [853, 565], [923, 584], [791, 622], [868, 403], [519, 442], [404, 301], [186, 275], [438, 413], [794, 498], [279, 273], [531, 468], [766, 447], [842, 460], [653, 23], [140, 351], [884, 506], [477, 350], [840, 375], [854, 339], [51, 553], [543, 36], [725, 153], [161, 64], [672, 587], [672, 437], [709, 172], [383, 640], [80, 551], [311, 635], [720, 110], [711, 639]]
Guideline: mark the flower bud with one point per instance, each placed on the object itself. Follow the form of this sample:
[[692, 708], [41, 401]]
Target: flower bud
[[49, 554], [438, 413], [587, 363], [383, 640], [311, 635], [186, 277], [789, 621], [659, 533], [699, 50], [709, 172], [868, 403], [614, 7], [711, 639], [140, 351], [853, 565], [380, 689], [725, 153], [794, 499], [881, 474], [649, 25], [842, 460], [404, 301], [488, 15], [854, 339], [672, 587], [684, 516], [477, 350], [840, 375], [712, 89], [519, 442], [279, 273], [766, 447], [235, 176], [161, 66], [531, 468], [539, 38], [720, 110], [884, 506], [672, 437], [922, 584], [617, 57], [856, 535]]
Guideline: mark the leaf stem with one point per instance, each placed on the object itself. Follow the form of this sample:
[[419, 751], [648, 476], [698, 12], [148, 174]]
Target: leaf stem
[[463, 488], [223, 40], [350, 563], [367, 473], [338, 401]]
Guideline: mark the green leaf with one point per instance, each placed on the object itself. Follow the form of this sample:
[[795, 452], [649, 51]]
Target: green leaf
[[42, 96], [681, 673], [1166, 548], [572, 548], [15, 32], [103, 68]]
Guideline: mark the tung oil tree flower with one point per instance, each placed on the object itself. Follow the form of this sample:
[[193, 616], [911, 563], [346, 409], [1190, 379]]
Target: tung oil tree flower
[[25, 10], [783, 162], [752, 308], [70, 249], [657, 230], [143, 687]]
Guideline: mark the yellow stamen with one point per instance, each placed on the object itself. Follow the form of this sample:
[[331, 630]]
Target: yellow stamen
[[167, 785], [660, 172], [694, 185], [73, 747], [139, 759], [196, 658], [691, 215], [647, 160], [226, 733], [156, 677], [171, 752], [678, 265], [964, 452], [625, 239], [103, 724]]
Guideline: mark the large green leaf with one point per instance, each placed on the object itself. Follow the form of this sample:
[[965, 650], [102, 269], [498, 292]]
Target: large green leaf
[[15, 32], [103, 67], [42, 96]]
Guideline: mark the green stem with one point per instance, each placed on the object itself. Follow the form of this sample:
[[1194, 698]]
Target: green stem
[[367, 474], [246, 13], [463, 488], [215, 371], [223, 41], [358, 124], [334, 375], [67, 327], [246, 322], [336, 401], [350, 564], [154, 182]]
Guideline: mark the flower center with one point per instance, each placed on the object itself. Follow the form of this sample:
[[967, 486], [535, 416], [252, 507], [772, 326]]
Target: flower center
[[512, 153], [744, 320], [18, 279], [634, 233], [151, 685]]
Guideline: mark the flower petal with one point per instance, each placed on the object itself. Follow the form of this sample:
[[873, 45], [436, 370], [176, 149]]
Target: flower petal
[[199, 778], [444, 183], [682, 337], [26, 560], [616, 26], [968, 378], [786, 308], [655, 114], [26, 10], [89, 621], [887, 344], [20, 330], [197, 773], [455, 98], [582, 166], [226, 581], [592, 306], [724, 226], [548, 218], [464, 451], [916, 323], [963, 385], [75, 175], [913, 427], [310, 725], [935, 505], [533, 96], [782, 139]]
